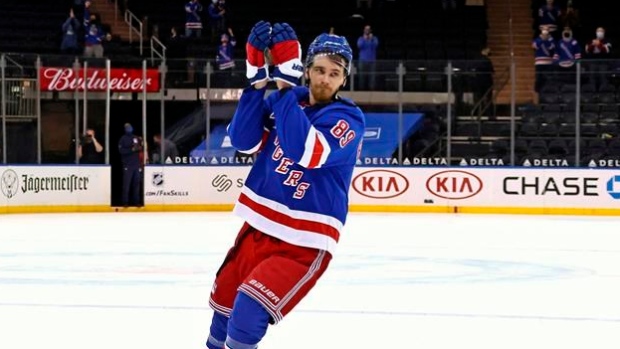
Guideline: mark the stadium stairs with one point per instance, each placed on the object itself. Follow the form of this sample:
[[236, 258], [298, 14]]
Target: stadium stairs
[[498, 14]]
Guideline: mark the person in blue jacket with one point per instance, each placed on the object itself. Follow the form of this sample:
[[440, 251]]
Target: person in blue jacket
[[367, 45], [130, 147], [70, 30]]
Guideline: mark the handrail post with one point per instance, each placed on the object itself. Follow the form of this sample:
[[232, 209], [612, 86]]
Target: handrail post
[[3, 104]]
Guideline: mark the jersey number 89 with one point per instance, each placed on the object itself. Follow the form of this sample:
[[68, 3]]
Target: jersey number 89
[[343, 132]]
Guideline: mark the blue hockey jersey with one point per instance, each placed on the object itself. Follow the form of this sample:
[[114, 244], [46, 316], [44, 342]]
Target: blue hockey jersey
[[192, 18], [298, 187], [567, 52], [544, 50]]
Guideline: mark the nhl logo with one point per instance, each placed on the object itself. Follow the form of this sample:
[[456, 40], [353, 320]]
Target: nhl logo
[[158, 179], [9, 183]]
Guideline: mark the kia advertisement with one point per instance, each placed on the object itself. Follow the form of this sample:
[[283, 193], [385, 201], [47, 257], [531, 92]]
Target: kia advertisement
[[95, 79], [454, 184], [380, 184]]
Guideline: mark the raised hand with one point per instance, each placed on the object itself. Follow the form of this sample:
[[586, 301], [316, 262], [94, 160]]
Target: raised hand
[[286, 54], [258, 41]]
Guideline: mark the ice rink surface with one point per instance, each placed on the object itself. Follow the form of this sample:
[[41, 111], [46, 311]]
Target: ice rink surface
[[142, 281]]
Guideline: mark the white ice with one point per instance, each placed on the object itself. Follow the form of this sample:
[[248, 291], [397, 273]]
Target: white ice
[[142, 280]]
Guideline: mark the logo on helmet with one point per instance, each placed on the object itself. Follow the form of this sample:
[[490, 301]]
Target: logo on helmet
[[333, 45]]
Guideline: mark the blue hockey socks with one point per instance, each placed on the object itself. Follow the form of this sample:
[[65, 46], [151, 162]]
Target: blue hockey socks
[[217, 334], [247, 324]]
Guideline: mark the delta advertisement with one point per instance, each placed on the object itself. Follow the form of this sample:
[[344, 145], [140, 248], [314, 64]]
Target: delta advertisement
[[384, 188], [54, 186]]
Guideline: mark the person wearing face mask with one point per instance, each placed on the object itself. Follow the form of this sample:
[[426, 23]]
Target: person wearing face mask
[[130, 146], [567, 53], [599, 49], [544, 50]]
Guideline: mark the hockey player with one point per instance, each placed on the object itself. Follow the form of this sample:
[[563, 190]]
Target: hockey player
[[295, 199]]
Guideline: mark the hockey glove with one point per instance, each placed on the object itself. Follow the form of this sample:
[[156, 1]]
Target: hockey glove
[[259, 39], [286, 54]]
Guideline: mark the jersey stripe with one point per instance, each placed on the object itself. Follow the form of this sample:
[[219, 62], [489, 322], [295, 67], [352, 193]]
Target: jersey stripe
[[316, 150], [295, 223], [316, 153], [299, 228]]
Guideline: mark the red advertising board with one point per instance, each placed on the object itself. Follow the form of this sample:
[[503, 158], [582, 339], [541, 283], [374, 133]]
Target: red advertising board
[[94, 79]]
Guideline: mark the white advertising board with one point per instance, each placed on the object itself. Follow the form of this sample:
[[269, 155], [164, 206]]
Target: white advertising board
[[486, 187], [443, 189], [193, 185], [38, 186]]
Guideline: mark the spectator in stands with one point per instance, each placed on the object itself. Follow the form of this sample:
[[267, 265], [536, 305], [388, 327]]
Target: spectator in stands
[[367, 45], [570, 19], [193, 21], [549, 16], [93, 40], [599, 49], [89, 150], [544, 50], [484, 74], [70, 30], [225, 51], [225, 57], [217, 18], [130, 147], [567, 53], [176, 52], [86, 14], [169, 147]]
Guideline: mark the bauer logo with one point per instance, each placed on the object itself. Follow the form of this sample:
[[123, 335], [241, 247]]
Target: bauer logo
[[380, 184], [454, 184]]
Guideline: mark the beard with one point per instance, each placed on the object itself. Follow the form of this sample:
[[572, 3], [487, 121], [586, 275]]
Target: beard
[[321, 93]]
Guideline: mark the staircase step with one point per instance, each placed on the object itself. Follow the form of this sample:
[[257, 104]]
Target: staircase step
[[501, 45]]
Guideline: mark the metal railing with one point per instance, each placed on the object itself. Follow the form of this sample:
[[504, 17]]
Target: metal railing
[[130, 19], [490, 96], [432, 135], [157, 49], [15, 64]]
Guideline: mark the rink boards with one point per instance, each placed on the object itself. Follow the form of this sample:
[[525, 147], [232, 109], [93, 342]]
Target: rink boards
[[373, 189]]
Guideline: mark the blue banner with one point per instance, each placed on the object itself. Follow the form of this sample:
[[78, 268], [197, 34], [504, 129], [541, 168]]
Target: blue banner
[[381, 137]]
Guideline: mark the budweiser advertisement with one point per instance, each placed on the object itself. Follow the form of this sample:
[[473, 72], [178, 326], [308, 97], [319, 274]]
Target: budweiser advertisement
[[94, 79]]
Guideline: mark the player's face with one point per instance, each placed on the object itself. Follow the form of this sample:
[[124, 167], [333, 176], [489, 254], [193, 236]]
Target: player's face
[[326, 77]]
